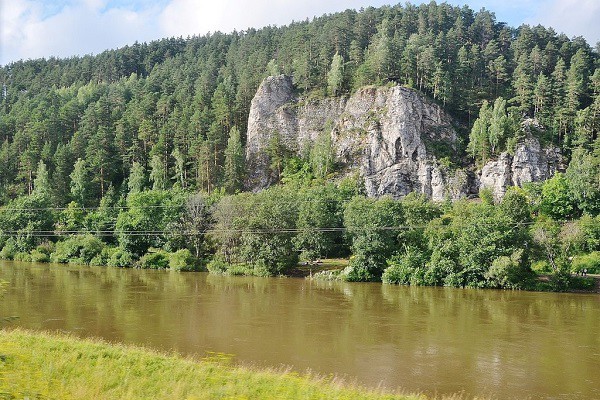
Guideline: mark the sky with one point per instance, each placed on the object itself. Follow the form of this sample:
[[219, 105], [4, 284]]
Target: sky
[[32, 29]]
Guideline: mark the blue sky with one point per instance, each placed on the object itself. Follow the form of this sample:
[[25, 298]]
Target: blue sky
[[63, 28]]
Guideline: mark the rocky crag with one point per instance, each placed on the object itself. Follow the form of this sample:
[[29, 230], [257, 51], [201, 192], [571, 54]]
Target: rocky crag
[[396, 138]]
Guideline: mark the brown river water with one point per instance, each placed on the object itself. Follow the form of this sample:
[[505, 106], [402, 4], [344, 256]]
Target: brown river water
[[497, 344]]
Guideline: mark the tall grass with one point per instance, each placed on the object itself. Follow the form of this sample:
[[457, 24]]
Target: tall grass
[[46, 366]]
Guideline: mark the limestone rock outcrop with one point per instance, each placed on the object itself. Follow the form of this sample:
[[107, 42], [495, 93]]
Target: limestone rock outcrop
[[388, 134], [397, 139], [530, 163]]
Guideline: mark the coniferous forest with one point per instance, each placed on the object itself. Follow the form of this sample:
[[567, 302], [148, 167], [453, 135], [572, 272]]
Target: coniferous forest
[[135, 156]]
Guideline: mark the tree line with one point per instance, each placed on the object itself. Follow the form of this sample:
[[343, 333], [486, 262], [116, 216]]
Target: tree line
[[135, 156], [179, 107], [542, 228]]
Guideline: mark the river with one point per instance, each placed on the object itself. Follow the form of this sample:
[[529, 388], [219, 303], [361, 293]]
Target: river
[[491, 343]]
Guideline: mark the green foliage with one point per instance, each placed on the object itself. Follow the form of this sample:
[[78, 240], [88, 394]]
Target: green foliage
[[22, 217], [80, 182], [406, 268], [154, 259], [558, 201], [492, 131], [319, 223], [150, 212], [77, 250], [182, 260], [465, 242], [372, 227], [137, 178], [217, 266], [509, 272], [515, 205], [269, 211], [234, 162], [335, 76], [9, 250], [117, 257], [583, 182]]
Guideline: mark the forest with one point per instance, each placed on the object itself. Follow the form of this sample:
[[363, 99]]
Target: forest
[[135, 156]]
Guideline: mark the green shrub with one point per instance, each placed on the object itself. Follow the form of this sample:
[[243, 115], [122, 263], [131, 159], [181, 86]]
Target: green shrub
[[9, 250], [119, 257], [590, 261], [182, 260], [406, 269], [541, 267], [509, 272], [158, 259], [38, 256], [217, 266], [46, 248], [78, 250], [22, 256], [582, 283]]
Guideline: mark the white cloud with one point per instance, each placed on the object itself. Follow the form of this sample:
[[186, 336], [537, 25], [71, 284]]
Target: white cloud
[[77, 28], [572, 17], [183, 17], [44, 28]]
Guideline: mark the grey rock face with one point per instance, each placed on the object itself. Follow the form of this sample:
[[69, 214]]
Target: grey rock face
[[390, 135], [381, 132], [530, 163]]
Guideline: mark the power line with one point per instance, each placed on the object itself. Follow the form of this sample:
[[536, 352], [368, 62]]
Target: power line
[[190, 233]]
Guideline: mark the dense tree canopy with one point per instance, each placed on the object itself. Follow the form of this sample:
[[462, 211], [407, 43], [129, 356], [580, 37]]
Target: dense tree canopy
[[136, 155]]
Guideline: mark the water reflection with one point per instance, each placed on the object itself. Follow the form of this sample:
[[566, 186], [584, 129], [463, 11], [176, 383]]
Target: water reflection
[[441, 340]]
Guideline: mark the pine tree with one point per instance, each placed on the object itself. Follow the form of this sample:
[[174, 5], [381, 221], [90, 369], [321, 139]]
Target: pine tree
[[157, 173], [137, 178], [542, 97], [523, 86], [79, 183], [335, 76], [234, 162], [41, 184]]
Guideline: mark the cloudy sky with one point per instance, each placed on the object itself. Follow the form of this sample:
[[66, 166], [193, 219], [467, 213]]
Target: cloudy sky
[[63, 28]]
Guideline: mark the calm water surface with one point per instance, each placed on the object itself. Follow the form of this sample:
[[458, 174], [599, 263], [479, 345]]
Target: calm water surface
[[433, 340]]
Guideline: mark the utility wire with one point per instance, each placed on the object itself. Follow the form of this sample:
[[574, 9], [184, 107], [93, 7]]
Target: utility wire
[[48, 233]]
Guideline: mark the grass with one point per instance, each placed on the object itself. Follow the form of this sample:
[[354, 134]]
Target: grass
[[47, 366]]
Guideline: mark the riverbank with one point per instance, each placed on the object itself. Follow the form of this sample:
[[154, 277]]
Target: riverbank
[[42, 365]]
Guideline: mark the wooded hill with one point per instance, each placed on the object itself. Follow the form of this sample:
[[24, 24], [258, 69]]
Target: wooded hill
[[178, 107], [135, 157]]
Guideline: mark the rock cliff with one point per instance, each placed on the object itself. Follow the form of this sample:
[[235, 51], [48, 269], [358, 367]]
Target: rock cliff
[[388, 134], [396, 138], [530, 163]]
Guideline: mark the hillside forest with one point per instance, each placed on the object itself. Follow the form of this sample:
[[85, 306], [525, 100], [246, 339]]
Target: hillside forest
[[135, 156]]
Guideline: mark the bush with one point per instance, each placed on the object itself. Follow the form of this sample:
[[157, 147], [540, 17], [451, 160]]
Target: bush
[[217, 266], [22, 256], [38, 256], [509, 272], [359, 269], [78, 250], [406, 269], [590, 261], [119, 257], [9, 250], [157, 259], [182, 260], [46, 248]]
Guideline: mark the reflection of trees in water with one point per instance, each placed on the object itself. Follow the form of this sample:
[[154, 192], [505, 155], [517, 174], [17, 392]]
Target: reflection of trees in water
[[403, 333]]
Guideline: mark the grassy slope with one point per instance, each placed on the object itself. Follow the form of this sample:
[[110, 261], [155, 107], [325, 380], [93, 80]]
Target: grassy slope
[[40, 365]]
